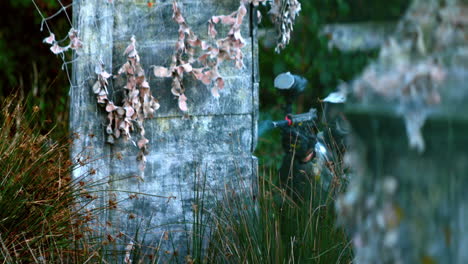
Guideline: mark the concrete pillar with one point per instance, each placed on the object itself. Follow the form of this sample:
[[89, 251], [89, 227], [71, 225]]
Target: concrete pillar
[[212, 142]]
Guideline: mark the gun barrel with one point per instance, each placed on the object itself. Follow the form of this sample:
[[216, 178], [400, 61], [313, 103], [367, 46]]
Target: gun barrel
[[305, 117], [282, 123]]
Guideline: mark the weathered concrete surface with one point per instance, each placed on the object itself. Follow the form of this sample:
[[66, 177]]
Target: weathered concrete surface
[[404, 205], [213, 140]]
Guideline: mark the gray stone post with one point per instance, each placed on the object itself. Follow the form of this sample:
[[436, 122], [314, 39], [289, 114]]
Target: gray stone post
[[407, 201], [212, 142]]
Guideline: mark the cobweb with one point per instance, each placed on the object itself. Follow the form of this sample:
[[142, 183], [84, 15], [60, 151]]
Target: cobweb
[[63, 13]]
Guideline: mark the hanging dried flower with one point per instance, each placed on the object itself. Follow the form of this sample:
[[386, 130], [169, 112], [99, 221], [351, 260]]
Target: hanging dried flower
[[283, 14], [75, 42], [227, 48], [138, 102]]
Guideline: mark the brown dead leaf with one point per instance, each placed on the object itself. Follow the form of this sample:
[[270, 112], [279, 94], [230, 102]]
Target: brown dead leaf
[[50, 39], [161, 72]]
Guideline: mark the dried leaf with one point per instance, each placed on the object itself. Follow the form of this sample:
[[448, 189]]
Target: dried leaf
[[72, 33], [131, 47], [197, 72], [177, 16], [187, 67], [240, 14], [283, 14], [220, 83], [132, 54], [256, 2], [110, 139], [103, 93], [204, 45], [116, 133], [259, 17], [211, 30], [141, 167], [180, 71], [110, 107], [56, 49], [195, 42], [129, 111], [109, 129], [142, 142], [239, 64], [145, 84], [50, 39], [105, 74], [101, 99], [176, 87], [183, 103], [120, 111], [206, 79], [161, 72], [124, 68], [228, 20], [215, 92], [203, 58], [140, 73], [97, 87], [215, 19], [75, 43], [155, 104]]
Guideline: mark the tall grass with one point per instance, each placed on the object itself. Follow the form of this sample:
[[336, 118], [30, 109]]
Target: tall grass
[[277, 224], [271, 227], [272, 223], [39, 222]]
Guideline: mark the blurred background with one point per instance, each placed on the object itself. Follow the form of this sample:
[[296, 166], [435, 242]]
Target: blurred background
[[32, 71]]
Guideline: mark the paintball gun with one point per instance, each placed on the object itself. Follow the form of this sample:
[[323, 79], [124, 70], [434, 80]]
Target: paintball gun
[[293, 120]]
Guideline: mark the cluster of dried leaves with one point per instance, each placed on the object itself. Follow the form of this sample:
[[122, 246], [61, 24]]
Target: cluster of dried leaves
[[205, 66], [74, 44], [283, 14], [138, 103]]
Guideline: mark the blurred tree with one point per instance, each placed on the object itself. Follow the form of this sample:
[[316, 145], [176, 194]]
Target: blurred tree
[[407, 199]]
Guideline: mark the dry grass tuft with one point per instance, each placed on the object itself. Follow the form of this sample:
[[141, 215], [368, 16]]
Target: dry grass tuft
[[38, 221]]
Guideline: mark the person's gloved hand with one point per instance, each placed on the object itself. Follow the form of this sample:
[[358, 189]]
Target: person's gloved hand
[[300, 141]]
